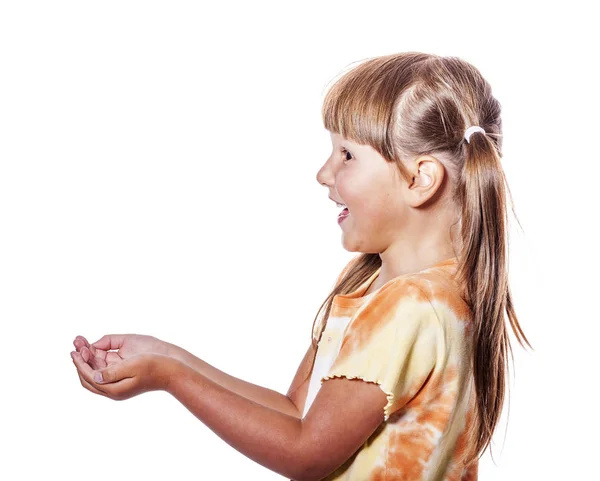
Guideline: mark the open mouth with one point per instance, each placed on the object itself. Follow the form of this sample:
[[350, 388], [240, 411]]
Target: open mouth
[[342, 215]]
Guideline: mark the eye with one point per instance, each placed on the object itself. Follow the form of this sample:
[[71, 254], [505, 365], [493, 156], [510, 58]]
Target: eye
[[346, 154]]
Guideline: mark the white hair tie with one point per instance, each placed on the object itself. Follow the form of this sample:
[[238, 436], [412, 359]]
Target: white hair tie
[[472, 130]]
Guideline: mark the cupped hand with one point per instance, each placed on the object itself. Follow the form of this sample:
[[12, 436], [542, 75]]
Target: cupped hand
[[129, 377], [101, 353]]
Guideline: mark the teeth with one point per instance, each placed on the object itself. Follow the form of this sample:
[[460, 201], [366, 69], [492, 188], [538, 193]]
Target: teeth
[[340, 205]]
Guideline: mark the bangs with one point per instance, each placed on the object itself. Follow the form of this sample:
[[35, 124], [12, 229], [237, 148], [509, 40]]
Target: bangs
[[360, 104]]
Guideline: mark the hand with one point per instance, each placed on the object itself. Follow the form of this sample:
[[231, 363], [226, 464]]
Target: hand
[[99, 355], [126, 378]]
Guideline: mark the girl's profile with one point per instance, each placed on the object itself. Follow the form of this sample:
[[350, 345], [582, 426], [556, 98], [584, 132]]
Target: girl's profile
[[405, 369]]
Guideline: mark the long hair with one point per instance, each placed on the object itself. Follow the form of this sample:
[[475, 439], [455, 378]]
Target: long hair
[[411, 104]]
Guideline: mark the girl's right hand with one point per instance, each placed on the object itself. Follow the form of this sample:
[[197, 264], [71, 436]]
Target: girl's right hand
[[101, 353]]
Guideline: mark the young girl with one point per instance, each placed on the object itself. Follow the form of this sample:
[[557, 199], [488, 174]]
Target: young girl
[[405, 375]]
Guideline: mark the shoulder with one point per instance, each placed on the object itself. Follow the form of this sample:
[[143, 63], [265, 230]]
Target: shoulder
[[442, 291], [399, 309], [402, 293], [426, 298]]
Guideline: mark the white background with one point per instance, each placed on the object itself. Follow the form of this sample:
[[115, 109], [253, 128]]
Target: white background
[[158, 164]]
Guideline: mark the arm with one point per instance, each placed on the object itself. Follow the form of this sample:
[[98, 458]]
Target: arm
[[343, 416], [291, 404]]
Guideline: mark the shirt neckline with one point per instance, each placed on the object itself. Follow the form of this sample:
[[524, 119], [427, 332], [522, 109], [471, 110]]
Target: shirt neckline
[[357, 297]]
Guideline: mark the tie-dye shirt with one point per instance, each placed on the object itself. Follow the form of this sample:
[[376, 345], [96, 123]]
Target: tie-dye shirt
[[410, 336]]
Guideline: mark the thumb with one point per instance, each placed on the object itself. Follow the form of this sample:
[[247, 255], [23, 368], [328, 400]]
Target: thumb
[[108, 374], [110, 341]]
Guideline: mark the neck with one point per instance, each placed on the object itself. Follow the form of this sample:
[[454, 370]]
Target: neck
[[409, 254]]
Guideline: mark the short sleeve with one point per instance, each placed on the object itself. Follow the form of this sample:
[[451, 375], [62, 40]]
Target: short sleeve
[[392, 340]]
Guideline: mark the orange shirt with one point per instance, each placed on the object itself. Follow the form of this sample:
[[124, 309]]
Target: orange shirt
[[411, 337]]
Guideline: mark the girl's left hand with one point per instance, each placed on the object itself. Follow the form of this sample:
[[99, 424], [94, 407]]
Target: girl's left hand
[[125, 379]]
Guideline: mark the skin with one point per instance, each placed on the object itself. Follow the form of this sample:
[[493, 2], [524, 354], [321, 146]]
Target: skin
[[306, 448], [407, 224]]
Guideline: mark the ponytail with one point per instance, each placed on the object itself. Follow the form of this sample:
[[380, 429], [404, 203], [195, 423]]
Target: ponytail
[[483, 274]]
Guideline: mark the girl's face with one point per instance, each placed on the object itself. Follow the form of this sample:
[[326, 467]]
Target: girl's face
[[373, 191]]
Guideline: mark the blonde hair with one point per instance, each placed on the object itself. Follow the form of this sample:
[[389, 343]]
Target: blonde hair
[[410, 104]]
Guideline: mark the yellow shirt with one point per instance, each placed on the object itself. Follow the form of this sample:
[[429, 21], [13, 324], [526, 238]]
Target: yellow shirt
[[412, 337]]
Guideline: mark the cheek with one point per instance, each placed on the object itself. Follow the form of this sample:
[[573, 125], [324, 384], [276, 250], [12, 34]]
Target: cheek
[[367, 197], [378, 211], [354, 190]]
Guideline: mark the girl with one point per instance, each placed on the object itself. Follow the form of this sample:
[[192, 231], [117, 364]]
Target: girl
[[404, 378]]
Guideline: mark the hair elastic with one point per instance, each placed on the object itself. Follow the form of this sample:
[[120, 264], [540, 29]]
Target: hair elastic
[[471, 130]]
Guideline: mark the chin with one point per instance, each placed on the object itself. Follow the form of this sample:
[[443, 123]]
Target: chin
[[350, 246]]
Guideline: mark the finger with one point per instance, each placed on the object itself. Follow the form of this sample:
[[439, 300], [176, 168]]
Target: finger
[[97, 362], [88, 386], [96, 352], [112, 357], [112, 374], [110, 341], [99, 353], [86, 372], [82, 346], [84, 382], [80, 342]]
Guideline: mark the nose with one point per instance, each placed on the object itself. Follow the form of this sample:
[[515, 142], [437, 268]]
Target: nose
[[324, 175]]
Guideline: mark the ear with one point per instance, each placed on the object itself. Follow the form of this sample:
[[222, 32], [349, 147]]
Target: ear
[[427, 177]]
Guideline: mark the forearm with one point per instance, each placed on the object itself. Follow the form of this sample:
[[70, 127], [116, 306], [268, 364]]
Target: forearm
[[267, 436], [261, 395]]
